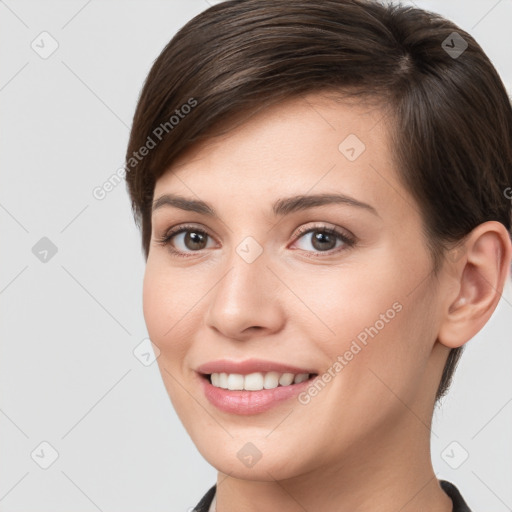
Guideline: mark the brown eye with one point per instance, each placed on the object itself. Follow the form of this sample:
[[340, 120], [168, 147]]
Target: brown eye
[[321, 239], [185, 240], [195, 240]]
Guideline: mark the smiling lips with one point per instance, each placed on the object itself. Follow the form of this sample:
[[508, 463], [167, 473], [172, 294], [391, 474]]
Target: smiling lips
[[256, 381], [251, 386]]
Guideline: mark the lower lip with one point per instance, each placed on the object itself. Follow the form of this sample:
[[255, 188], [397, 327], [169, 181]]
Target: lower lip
[[251, 402]]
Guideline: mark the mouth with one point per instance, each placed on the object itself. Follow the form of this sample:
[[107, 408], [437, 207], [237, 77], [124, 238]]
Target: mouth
[[256, 381], [253, 393]]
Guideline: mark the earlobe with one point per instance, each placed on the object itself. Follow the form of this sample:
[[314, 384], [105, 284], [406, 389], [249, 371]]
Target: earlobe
[[480, 271]]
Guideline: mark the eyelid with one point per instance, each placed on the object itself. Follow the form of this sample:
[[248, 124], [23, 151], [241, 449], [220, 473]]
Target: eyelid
[[185, 227], [327, 227]]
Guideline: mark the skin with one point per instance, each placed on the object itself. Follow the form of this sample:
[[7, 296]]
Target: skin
[[364, 440]]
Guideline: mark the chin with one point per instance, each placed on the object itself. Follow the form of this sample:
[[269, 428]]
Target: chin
[[258, 460]]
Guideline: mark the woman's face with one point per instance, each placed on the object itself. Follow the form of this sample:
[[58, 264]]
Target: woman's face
[[261, 279]]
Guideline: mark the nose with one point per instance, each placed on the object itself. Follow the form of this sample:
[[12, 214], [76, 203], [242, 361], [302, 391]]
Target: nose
[[246, 301]]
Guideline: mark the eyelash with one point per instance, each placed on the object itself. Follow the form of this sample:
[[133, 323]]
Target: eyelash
[[348, 241]]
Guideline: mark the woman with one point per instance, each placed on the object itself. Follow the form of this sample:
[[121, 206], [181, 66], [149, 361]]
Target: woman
[[307, 375]]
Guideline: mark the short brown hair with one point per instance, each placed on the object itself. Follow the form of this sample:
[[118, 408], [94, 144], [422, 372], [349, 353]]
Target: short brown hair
[[450, 117]]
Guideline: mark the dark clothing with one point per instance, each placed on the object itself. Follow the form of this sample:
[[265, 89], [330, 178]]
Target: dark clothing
[[459, 505], [206, 501]]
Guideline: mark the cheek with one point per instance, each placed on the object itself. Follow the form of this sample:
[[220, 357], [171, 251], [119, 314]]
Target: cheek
[[168, 309], [170, 316], [368, 316], [349, 303], [154, 304]]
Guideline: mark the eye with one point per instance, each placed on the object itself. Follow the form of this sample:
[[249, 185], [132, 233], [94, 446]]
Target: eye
[[324, 239], [184, 240]]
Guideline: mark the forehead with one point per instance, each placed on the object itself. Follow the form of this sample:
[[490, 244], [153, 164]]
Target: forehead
[[315, 142], [304, 117]]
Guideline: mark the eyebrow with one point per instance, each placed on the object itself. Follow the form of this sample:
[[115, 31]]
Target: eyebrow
[[281, 207]]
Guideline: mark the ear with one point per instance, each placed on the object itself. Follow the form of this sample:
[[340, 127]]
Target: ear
[[479, 270]]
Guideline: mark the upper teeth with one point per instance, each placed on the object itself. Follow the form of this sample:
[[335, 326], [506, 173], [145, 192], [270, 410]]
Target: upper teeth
[[256, 381]]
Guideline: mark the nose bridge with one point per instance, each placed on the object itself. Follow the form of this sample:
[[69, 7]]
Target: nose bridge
[[246, 294], [246, 282]]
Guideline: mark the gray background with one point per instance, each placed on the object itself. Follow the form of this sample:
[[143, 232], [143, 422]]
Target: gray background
[[68, 374]]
